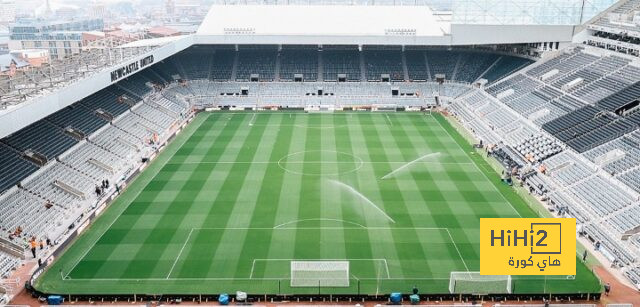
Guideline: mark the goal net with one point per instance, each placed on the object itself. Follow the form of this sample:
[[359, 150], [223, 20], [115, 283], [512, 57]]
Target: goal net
[[320, 109], [384, 108], [474, 283], [320, 273]]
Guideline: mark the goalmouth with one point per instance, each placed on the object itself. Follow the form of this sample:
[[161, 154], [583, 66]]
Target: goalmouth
[[474, 283], [384, 108], [319, 274]]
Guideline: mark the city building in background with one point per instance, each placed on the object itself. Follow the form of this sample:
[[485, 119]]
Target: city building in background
[[61, 38], [21, 60], [8, 11]]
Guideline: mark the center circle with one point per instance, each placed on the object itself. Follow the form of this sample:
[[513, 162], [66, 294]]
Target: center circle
[[310, 162]]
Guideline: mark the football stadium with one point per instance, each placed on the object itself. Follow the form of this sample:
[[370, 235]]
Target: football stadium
[[328, 152]]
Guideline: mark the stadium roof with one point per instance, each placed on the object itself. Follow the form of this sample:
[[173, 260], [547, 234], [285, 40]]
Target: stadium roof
[[309, 20]]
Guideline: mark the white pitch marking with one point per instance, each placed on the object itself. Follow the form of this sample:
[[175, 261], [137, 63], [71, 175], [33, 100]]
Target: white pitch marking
[[456, 246], [485, 175], [381, 260], [389, 119], [117, 217], [315, 162], [252, 119], [319, 219], [180, 254], [252, 266], [235, 278]]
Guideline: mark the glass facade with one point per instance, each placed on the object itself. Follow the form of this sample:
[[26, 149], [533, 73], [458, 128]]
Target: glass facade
[[44, 31], [527, 12], [443, 4], [490, 12]]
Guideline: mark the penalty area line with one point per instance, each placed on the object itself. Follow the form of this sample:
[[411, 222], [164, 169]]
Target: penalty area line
[[180, 253]]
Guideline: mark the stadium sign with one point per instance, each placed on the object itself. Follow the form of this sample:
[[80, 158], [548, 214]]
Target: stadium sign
[[527, 246], [131, 68]]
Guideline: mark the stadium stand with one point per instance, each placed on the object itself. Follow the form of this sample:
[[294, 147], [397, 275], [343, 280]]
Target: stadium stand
[[442, 62], [43, 138], [43, 221], [166, 71], [417, 65], [588, 127], [8, 263], [585, 133], [137, 85], [472, 65], [93, 161], [609, 21], [110, 102], [504, 66], [538, 148], [381, 62], [108, 137], [299, 60], [585, 99], [341, 60], [260, 60], [77, 117], [13, 168], [117, 141], [61, 185], [196, 64], [222, 65]]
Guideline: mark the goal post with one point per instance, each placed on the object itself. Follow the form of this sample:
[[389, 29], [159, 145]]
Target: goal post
[[384, 108], [320, 273], [474, 283]]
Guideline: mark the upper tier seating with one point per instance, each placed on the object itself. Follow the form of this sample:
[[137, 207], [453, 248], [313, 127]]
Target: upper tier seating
[[41, 137], [110, 101], [379, 62], [299, 61], [261, 61], [222, 65], [417, 65], [472, 65], [626, 9], [195, 64], [13, 168], [339, 61], [504, 67], [442, 62], [77, 117]]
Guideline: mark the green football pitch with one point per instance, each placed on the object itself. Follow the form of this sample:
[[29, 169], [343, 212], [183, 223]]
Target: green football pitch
[[237, 196]]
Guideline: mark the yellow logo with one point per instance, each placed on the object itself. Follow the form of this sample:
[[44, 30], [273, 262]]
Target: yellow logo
[[527, 246]]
